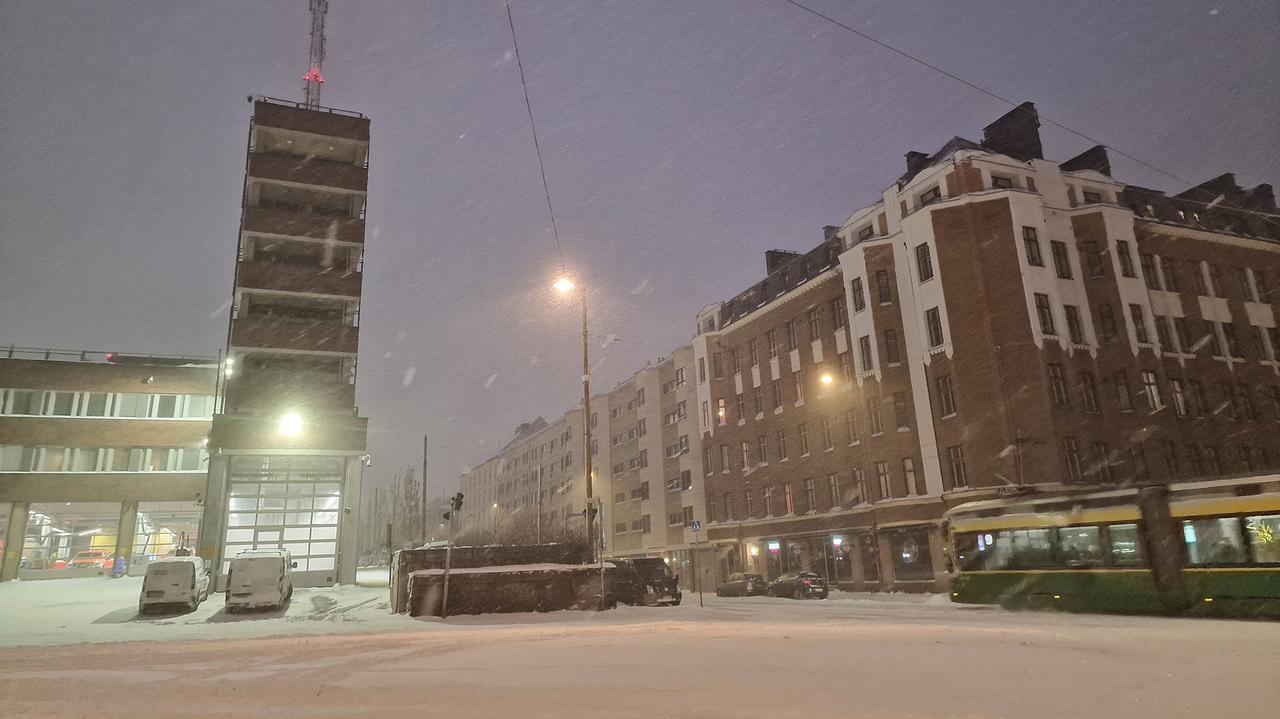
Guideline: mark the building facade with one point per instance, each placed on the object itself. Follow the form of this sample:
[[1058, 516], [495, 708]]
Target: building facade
[[102, 456], [288, 445], [995, 321]]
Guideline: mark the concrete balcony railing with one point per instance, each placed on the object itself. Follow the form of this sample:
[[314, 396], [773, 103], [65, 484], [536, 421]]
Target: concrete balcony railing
[[325, 121], [312, 172], [298, 279], [282, 334], [300, 224], [268, 392]]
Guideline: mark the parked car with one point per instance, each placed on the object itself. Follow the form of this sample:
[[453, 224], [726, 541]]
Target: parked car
[[91, 558], [260, 578], [174, 582], [799, 585], [646, 581], [743, 585]]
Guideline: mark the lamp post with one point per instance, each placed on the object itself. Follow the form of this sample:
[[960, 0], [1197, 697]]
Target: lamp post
[[564, 285]]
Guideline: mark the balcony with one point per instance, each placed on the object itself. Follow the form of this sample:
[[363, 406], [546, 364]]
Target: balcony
[[298, 279], [324, 121], [263, 221], [269, 392], [311, 172], [282, 334]]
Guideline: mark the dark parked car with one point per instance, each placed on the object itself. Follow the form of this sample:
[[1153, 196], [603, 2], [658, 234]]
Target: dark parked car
[[743, 585], [799, 585], [646, 581]]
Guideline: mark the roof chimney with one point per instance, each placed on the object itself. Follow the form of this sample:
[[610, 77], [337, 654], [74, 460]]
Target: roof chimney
[[773, 259], [916, 162], [1016, 134], [829, 231], [1095, 158]]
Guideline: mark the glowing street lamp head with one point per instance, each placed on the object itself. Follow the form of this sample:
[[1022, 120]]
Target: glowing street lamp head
[[564, 285], [827, 379], [291, 424]]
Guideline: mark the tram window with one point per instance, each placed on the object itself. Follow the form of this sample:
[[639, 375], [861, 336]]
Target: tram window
[[971, 551], [1020, 548], [1124, 544], [1214, 541], [1079, 546], [1264, 537]]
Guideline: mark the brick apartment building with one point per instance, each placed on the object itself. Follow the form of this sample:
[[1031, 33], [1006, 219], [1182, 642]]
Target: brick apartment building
[[994, 320], [99, 452], [288, 448]]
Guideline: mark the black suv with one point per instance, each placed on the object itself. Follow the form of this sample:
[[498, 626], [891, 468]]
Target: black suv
[[646, 581]]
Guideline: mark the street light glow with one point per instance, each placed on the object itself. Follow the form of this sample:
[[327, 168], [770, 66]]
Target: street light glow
[[291, 424], [564, 285], [827, 379]]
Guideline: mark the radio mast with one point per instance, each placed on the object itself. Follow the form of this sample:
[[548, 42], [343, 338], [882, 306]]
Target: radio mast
[[313, 79]]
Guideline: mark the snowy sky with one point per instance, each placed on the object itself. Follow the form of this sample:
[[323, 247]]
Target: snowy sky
[[673, 133]]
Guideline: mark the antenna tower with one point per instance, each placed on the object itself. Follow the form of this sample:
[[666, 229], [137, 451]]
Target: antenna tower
[[313, 79]]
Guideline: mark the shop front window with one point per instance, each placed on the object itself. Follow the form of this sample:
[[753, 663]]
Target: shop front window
[[163, 529], [911, 557], [75, 539], [869, 553]]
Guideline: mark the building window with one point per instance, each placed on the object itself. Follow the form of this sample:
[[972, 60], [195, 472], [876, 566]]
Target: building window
[[746, 454], [956, 470], [833, 490], [1139, 459], [722, 415], [1102, 461], [851, 425], [793, 339], [1089, 390], [933, 322], [999, 182], [739, 407], [839, 313], [915, 485], [946, 398], [846, 366], [789, 497], [754, 348], [1092, 258], [1149, 274], [771, 341], [758, 397], [1124, 396], [777, 394], [798, 378], [1139, 324], [1031, 243], [882, 477], [1074, 329], [891, 346], [924, 262], [873, 411], [866, 233], [746, 502], [1170, 275], [762, 449], [768, 501], [717, 365], [1061, 261], [1233, 340], [1058, 383], [1179, 397], [702, 378], [930, 196], [782, 444], [1106, 322], [884, 291], [1215, 280], [1151, 387], [1163, 335], [1045, 313], [864, 348], [855, 291], [815, 324], [802, 434], [901, 413], [1126, 259], [728, 506], [1071, 458], [724, 458], [706, 460]]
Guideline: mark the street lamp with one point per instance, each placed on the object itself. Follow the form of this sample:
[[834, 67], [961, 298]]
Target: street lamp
[[564, 286], [827, 379], [291, 424]]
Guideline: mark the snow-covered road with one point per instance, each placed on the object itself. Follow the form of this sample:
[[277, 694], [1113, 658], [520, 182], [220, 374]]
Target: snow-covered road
[[756, 657]]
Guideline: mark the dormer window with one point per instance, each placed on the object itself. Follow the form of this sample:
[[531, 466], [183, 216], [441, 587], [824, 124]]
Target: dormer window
[[930, 196], [1091, 197], [1001, 183], [866, 233]]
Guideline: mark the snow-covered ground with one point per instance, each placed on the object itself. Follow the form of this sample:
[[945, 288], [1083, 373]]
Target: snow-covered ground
[[338, 653]]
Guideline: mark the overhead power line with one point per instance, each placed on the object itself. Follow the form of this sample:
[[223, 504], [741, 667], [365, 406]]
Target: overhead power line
[[983, 90], [534, 130]]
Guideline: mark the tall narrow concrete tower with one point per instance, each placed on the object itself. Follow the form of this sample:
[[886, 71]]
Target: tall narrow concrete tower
[[287, 447]]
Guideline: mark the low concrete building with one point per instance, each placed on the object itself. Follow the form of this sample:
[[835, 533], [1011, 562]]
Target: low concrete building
[[102, 455]]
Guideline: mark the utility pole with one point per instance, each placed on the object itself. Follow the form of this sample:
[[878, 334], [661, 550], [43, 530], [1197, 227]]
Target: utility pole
[[586, 426], [455, 506], [424, 491]]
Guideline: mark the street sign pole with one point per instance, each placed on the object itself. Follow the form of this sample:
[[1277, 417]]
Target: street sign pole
[[696, 526]]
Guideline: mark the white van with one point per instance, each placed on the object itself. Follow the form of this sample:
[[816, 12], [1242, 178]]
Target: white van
[[174, 582], [259, 578]]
